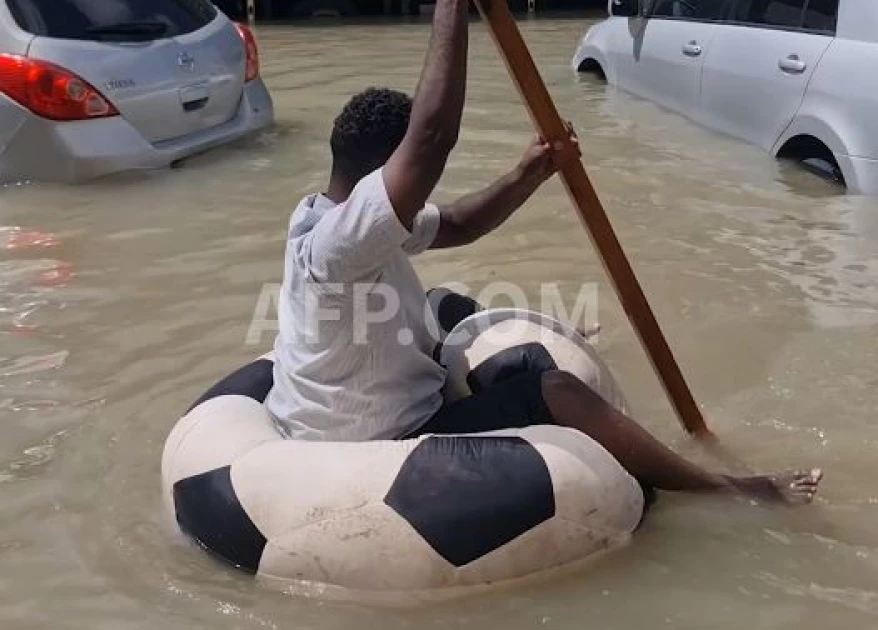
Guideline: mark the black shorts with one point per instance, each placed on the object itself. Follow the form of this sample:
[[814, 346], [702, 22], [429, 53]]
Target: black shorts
[[513, 403]]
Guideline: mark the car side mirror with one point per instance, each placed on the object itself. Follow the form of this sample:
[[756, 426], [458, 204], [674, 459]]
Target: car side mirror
[[625, 8]]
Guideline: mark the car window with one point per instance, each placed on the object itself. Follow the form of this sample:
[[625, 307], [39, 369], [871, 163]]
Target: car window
[[690, 9], [821, 15], [782, 13], [111, 19]]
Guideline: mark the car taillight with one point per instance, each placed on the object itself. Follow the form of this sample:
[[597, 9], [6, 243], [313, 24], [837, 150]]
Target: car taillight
[[51, 91], [252, 68]]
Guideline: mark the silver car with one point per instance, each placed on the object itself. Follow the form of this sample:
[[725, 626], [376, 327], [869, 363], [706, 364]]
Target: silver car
[[794, 77], [92, 87]]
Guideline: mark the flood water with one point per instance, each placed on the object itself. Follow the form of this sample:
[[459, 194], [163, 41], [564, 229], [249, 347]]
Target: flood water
[[122, 300]]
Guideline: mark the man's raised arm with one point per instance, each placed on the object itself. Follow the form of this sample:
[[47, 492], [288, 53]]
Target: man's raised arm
[[414, 169]]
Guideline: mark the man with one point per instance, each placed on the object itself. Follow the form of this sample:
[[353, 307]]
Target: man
[[340, 375]]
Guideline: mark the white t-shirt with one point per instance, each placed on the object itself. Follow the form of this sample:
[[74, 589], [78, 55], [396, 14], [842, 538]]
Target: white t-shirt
[[353, 355]]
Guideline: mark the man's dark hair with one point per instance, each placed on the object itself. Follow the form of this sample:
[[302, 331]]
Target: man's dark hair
[[368, 130]]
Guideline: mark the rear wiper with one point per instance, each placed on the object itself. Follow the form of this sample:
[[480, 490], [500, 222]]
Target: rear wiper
[[129, 28]]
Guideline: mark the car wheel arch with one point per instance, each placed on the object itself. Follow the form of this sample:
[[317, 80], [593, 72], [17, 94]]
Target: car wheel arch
[[832, 136], [591, 65], [812, 152], [811, 137]]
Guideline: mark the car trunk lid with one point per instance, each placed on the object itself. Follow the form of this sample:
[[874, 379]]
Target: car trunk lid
[[170, 70]]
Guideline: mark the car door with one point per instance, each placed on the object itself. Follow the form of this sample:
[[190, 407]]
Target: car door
[[760, 63], [664, 53]]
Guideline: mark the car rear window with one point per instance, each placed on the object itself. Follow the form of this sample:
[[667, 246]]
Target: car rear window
[[811, 15], [783, 13], [821, 15], [101, 20]]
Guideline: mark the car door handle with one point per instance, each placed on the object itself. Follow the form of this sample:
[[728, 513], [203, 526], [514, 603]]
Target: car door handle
[[194, 97], [692, 49], [792, 64]]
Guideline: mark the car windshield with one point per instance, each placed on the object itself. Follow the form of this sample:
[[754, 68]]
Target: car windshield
[[111, 20]]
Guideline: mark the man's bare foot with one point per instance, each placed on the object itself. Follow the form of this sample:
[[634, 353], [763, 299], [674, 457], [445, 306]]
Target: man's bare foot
[[793, 488]]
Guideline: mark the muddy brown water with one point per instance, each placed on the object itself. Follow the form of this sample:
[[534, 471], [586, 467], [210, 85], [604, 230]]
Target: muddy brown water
[[122, 300]]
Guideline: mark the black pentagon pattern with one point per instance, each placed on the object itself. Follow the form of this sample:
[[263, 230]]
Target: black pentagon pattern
[[528, 357], [254, 380], [453, 309], [469, 495], [208, 510]]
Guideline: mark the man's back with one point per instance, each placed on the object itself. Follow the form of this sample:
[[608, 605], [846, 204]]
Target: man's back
[[354, 351]]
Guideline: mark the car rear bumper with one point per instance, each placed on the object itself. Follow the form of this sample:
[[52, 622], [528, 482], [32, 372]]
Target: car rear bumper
[[38, 149], [860, 174]]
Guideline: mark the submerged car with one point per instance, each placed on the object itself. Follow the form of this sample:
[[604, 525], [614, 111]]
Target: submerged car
[[795, 77], [92, 87]]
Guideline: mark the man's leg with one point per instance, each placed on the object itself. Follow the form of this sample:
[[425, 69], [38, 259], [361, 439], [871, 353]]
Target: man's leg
[[573, 404], [513, 403]]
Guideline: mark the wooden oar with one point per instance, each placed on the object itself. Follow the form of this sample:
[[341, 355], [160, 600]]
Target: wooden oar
[[552, 128]]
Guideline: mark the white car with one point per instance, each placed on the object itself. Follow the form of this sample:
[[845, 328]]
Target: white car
[[91, 87], [798, 78]]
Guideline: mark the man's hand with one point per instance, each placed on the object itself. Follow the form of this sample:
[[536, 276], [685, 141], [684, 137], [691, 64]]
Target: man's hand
[[473, 216], [542, 159]]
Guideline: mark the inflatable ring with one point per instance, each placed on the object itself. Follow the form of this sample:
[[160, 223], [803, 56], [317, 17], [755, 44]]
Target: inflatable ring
[[494, 344], [431, 517]]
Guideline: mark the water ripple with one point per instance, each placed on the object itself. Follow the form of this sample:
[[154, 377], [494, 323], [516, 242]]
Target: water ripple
[[32, 364], [858, 599]]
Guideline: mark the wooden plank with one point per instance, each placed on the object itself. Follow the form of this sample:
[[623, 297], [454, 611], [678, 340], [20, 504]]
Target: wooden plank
[[551, 127]]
